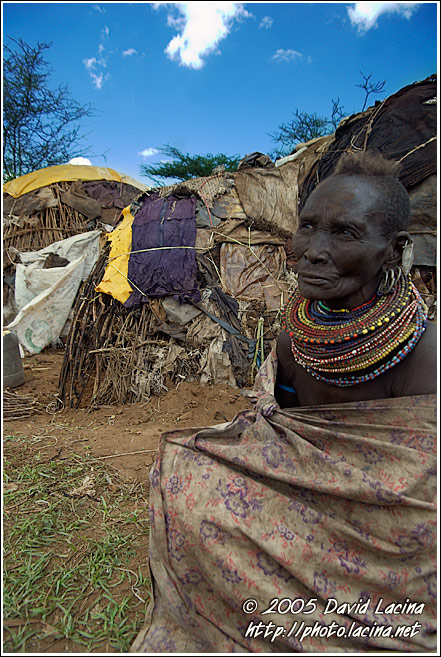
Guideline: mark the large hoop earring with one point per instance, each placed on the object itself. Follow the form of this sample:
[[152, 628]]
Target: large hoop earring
[[388, 281]]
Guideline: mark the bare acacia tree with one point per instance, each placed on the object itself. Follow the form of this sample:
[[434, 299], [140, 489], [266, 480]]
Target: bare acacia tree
[[303, 127], [40, 126], [370, 87], [337, 113]]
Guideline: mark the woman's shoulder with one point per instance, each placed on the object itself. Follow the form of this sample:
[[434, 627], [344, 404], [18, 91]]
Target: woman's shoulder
[[283, 346], [425, 351], [429, 337], [417, 373]]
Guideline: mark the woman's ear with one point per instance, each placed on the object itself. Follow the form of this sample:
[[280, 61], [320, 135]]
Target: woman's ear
[[397, 245]]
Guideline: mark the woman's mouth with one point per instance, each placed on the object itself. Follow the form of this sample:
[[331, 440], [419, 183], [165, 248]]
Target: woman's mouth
[[313, 278]]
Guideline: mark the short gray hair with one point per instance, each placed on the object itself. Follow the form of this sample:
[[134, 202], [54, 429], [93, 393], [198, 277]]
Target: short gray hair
[[393, 208]]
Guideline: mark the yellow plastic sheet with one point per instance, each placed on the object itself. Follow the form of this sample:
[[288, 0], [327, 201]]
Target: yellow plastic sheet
[[115, 280], [66, 172]]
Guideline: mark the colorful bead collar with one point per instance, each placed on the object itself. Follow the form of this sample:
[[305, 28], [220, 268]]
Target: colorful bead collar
[[346, 347]]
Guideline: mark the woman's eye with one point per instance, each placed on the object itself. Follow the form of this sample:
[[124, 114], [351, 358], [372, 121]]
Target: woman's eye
[[346, 232]]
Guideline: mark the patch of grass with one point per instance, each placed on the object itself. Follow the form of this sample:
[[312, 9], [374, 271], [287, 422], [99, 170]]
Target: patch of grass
[[75, 554]]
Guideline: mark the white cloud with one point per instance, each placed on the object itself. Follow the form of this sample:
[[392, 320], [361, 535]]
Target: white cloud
[[129, 52], [148, 152], [89, 63], [98, 80], [80, 160], [201, 27], [364, 15], [94, 65], [98, 8], [266, 22], [288, 55]]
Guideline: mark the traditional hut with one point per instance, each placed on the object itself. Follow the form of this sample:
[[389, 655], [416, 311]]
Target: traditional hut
[[52, 222]]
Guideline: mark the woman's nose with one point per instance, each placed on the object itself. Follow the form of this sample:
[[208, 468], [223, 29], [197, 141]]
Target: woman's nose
[[317, 250]]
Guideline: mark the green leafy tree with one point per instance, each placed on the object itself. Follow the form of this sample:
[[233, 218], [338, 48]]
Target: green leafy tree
[[41, 126], [183, 166]]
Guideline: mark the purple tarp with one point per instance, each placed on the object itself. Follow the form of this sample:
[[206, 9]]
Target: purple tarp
[[163, 257]]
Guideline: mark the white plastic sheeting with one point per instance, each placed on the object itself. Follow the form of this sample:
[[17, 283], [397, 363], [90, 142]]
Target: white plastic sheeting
[[44, 297]]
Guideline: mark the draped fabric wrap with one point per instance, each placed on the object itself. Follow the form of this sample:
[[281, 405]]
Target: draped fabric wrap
[[329, 509]]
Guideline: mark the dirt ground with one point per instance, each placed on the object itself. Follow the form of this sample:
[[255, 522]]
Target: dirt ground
[[122, 434], [122, 441]]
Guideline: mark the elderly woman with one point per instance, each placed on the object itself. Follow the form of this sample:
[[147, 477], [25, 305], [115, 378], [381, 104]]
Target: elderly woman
[[356, 328], [312, 528]]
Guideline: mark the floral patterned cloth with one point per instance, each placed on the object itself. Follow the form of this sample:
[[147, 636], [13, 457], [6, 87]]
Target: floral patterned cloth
[[318, 507]]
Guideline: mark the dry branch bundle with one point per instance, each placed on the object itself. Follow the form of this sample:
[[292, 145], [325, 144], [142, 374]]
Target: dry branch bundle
[[17, 406]]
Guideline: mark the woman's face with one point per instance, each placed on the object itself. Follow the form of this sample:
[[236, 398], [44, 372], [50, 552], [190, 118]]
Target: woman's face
[[340, 252]]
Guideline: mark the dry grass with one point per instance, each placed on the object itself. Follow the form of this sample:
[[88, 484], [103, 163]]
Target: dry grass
[[75, 552]]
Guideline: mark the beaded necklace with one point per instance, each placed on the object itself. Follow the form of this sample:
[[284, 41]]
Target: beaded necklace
[[346, 347]]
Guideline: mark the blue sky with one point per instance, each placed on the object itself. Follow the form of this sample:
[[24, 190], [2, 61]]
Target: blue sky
[[218, 77]]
